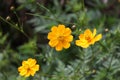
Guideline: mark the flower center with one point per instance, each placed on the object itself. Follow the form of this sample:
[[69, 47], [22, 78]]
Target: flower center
[[28, 69], [88, 39], [60, 38]]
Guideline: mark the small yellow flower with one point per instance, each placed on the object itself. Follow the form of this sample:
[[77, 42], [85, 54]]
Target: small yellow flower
[[60, 37], [88, 38], [28, 68]]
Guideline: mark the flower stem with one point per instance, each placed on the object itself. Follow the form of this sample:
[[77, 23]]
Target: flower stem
[[110, 64], [14, 26], [83, 5]]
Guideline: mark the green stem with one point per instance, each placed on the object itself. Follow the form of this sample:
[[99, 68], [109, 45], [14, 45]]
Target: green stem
[[83, 5], [108, 69], [46, 75], [48, 10], [53, 19], [43, 7], [104, 47], [93, 55], [111, 62], [77, 70], [107, 49], [16, 16], [14, 26]]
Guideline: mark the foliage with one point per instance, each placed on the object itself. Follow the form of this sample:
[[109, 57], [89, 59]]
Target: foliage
[[100, 61]]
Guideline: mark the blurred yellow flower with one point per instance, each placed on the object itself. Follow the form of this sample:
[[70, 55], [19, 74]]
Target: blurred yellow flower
[[28, 68], [60, 37], [88, 38]]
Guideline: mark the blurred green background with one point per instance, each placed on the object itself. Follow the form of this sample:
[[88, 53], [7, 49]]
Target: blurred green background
[[24, 25]]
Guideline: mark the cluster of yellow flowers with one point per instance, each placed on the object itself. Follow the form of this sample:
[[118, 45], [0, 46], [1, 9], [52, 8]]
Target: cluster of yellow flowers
[[60, 37]]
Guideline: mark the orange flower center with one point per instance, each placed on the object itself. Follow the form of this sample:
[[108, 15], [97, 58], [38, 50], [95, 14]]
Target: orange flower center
[[60, 38], [88, 39], [28, 69]]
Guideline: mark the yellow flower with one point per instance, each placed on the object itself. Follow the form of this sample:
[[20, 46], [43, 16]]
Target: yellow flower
[[60, 37], [88, 38], [28, 68]]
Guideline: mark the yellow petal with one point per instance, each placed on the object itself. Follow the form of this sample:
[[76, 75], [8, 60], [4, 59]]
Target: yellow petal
[[61, 29], [23, 72], [85, 46], [98, 37], [24, 63], [94, 32], [67, 32], [88, 33], [54, 29], [53, 43], [59, 46], [27, 74], [20, 68], [68, 38], [92, 41], [35, 68], [66, 45], [81, 36], [61, 26], [82, 43], [52, 35], [78, 42], [31, 62], [32, 73]]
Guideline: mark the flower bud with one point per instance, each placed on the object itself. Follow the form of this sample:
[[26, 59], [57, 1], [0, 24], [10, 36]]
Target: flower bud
[[106, 30], [73, 27], [12, 8], [8, 18], [93, 71]]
